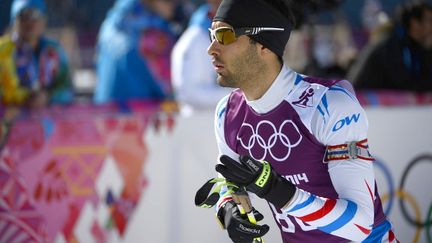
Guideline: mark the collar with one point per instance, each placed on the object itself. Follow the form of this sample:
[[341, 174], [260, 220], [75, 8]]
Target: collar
[[281, 86]]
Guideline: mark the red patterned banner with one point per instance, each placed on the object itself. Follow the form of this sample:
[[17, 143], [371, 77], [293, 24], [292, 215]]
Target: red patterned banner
[[75, 175]]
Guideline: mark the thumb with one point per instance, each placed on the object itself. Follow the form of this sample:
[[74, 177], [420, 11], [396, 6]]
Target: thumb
[[258, 216], [264, 229]]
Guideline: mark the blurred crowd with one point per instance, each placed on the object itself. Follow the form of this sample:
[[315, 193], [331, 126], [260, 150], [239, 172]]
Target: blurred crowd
[[106, 51]]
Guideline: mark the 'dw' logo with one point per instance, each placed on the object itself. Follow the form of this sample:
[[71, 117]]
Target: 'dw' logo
[[346, 121]]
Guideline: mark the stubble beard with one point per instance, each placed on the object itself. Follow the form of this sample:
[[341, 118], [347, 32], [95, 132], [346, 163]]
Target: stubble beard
[[245, 68]]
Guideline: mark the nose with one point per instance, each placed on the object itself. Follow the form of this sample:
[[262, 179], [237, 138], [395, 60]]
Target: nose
[[213, 50]]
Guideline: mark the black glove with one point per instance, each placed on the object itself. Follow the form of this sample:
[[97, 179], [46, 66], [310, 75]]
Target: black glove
[[258, 177], [240, 230]]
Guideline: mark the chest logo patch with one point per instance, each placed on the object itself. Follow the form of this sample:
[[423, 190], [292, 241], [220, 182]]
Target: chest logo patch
[[306, 98]]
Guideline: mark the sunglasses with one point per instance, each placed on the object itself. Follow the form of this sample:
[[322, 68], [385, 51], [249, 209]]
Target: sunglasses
[[227, 35], [30, 14]]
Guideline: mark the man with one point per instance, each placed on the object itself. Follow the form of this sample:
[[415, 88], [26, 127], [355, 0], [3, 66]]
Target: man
[[192, 72], [402, 60], [33, 69], [298, 142]]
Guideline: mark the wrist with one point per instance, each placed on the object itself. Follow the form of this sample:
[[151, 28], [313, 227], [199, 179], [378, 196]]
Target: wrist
[[262, 183], [280, 192], [222, 201], [220, 215], [270, 186]]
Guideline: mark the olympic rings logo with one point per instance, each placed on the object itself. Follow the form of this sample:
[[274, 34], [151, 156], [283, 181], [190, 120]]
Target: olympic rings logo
[[276, 139], [403, 194]]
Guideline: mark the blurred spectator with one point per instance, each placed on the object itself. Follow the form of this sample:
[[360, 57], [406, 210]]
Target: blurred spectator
[[402, 60], [193, 74], [321, 44], [133, 52], [332, 49], [33, 69]]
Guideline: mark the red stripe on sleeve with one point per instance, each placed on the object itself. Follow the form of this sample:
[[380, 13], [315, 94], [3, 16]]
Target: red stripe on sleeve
[[370, 191], [328, 206], [391, 236], [363, 229]]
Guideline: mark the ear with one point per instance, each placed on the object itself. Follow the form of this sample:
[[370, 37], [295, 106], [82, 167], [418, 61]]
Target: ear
[[263, 51], [267, 54]]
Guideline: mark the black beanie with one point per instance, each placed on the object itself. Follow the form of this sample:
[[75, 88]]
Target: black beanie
[[257, 13]]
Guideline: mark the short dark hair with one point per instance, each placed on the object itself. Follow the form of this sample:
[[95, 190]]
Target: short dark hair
[[413, 10]]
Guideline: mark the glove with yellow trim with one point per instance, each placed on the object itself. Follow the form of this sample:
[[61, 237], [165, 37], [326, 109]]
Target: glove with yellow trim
[[258, 177]]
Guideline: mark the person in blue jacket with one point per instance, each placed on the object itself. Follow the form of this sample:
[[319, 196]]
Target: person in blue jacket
[[133, 52]]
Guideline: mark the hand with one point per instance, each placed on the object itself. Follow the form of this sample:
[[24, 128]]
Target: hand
[[240, 230], [258, 177]]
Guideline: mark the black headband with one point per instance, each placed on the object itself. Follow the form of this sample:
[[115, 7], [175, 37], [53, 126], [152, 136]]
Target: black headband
[[257, 13]]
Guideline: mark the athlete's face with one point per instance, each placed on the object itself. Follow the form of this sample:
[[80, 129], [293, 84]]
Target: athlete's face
[[236, 63]]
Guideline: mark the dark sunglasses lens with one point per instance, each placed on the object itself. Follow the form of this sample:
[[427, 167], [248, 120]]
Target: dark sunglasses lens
[[225, 36]]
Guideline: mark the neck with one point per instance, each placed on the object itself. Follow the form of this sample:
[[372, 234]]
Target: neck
[[264, 79]]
